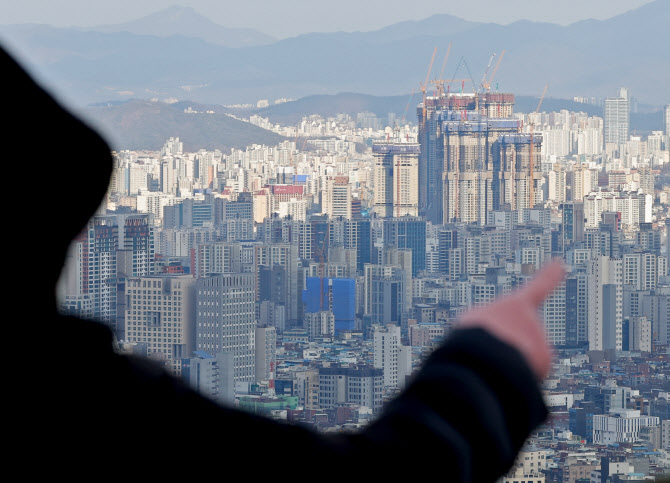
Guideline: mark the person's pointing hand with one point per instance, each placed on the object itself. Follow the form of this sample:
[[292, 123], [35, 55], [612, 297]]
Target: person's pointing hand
[[514, 318]]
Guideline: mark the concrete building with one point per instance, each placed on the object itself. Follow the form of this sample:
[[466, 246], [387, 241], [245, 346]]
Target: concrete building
[[337, 197], [265, 353], [520, 175], [112, 249], [617, 118], [384, 294], [470, 176], [605, 303], [391, 356], [639, 334], [320, 324], [161, 312], [554, 316], [211, 375], [620, 426], [396, 179], [226, 322], [351, 385]]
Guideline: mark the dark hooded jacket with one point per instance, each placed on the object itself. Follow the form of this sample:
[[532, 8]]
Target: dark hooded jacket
[[82, 410]]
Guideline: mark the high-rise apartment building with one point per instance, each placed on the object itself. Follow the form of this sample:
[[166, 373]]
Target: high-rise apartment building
[[265, 353], [396, 179], [605, 303], [518, 175], [456, 135], [226, 320], [470, 184], [391, 356], [572, 228], [160, 312], [384, 294], [279, 261], [111, 249], [667, 127], [337, 197], [617, 118], [576, 309], [554, 316]]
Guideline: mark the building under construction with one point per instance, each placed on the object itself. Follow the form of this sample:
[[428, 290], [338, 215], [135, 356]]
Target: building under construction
[[472, 158]]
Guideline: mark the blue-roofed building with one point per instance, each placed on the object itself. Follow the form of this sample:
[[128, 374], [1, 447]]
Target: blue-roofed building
[[337, 295]]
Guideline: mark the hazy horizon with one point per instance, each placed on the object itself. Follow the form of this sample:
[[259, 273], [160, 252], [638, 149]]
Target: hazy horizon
[[299, 17]]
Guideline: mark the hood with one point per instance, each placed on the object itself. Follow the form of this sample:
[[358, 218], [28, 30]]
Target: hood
[[58, 170]]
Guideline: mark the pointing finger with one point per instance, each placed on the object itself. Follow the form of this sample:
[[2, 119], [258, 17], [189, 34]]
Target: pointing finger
[[543, 283]]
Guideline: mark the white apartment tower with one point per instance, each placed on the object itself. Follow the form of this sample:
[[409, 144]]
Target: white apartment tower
[[391, 356], [266, 352], [396, 179], [226, 320], [605, 303], [617, 118], [554, 316], [337, 197]]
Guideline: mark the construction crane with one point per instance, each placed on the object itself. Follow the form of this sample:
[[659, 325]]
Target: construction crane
[[424, 86], [486, 84], [320, 254], [493, 56], [444, 64], [532, 148], [404, 114], [439, 82]]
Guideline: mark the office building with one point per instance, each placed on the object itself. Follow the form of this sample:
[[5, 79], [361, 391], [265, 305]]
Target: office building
[[620, 426], [160, 312], [351, 385], [226, 322]]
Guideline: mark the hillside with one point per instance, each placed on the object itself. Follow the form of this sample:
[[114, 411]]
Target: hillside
[[141, 124]]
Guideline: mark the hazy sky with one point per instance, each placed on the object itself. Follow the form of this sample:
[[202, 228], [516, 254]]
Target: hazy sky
[[285, 18]]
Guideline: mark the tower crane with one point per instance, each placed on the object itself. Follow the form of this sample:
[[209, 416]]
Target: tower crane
[[424, 86], [404, 114], [486, 84], [532, 147]]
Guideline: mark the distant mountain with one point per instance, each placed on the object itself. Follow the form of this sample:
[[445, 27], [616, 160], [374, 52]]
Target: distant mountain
[[590, 58], [432, 26], [343, 103], [146, 125], [186, 22]]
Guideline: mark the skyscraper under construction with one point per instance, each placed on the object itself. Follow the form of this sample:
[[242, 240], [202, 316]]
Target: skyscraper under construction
[[473, 158]]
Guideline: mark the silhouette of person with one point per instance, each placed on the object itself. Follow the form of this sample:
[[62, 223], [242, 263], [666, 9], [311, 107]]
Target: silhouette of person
[[82, 409]]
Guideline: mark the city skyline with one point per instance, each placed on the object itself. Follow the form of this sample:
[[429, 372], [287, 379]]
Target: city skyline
[[451, 267]]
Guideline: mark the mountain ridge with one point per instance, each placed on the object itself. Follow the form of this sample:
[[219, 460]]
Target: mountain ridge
[[582, 59]]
